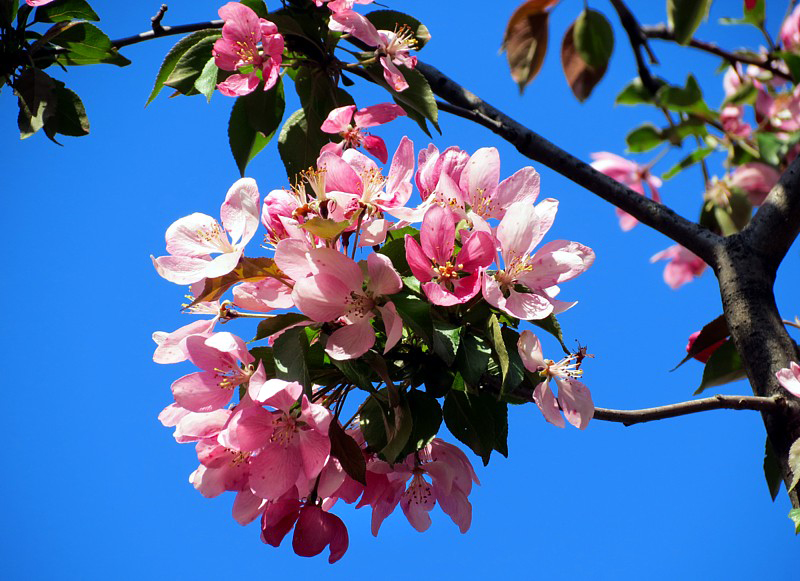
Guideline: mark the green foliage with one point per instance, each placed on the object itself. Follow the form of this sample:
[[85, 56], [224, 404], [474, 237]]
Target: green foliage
[[794, 514], [479, 421], [594, 38], [206, 83], [684, 16], [298, 146], [687, 99], [174, 56], [755, 16], [473, 358], [446, 339], [426, 414], [552, 326], [634, 93], [724, 366], [277, 323], [386, 428], [415, 312], [295, 357], [392, 20], [772, 470], [46, 103], [257, 6], [84, 44], [191, 65], [418, 100], [345, 449], [66, 10], [688, 161], [254, 120], [644, 138]]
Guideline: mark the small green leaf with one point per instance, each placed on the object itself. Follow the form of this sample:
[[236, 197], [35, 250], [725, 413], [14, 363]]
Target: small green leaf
[[70, 116], [357, 372], [769, 147], [516, 369], [263, 356], [479, 421], [644, 138], [395, 249], [688, 161], [634, 93], [254, 120], [755, 16], [85, 44], [687, 127], [35, 95], [415, 312], [772, 470], [257, 6], [446, 338], [386, 428], [685, 16], [325, 228], [391, 20], [345, 449], [594, 38], [290, 351], [495, 334], [744, 95], [66, 10], [174, 55], [722, 367], [207, 81], [191, 65], [277, 323], [794, 514], [418, 100], [687, 99]]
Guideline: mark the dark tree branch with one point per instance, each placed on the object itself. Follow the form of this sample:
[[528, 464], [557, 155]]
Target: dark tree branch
[[662, 33], [159, 31], [463, 103], [638, 41], [156, 20], [718, 402]]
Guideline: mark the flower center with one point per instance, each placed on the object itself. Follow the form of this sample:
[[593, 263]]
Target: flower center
[[448, 271], [284, 429], [214, 237], [230, 376]]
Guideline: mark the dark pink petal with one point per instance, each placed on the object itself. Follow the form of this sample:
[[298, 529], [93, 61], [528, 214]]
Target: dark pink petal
[[576, 401], [338, 119], [400, 172], [339, 175], [376, 146], [393, 76], [248, 430], [201, 392], [241, 22], [437, 234], [317, 529], [274, 471], [350, 341], [464, 289], [247, 507], [544, 398], [477, 252], [238, 85], [279, 518], [357, 25], [418, 261], [315, 449], [377, 114], [225, 54]]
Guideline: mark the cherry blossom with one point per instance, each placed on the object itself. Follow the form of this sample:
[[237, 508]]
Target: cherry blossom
[[790, 30], [789, 378], [573, 399], [349, 125], [38, 2], [683, 266], [756, 179], [632, 175], [191, 240], [238, 50]]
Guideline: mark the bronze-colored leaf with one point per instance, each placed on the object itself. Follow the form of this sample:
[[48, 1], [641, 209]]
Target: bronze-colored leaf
[[525, 40], [248, 270], [581, 77]]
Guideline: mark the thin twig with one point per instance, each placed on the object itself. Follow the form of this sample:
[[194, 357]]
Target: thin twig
[[156, 20], [718, 402], [638, 41], [662, 33]]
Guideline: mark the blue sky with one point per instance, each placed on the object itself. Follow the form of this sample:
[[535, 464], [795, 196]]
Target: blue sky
[[96, 488]]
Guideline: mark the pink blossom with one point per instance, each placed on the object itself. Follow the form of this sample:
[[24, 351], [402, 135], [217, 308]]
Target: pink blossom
[[341, 5], [573, 399], [238, 50], [226, 365], [520, 230], [732, 119], [790, 30], [632, 175], [448, 279], [191, 240], [781, 110], [391, 47], [789, 378], [756, 179], [683, 265], [349, 125], [732, 80], [38, 2]]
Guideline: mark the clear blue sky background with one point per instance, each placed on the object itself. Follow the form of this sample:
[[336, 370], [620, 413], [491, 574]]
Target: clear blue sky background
[[94, 487]]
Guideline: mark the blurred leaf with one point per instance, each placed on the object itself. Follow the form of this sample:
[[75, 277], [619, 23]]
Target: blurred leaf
[[792, 61], [325, 228], [644, 138], [190, 65], [688, 161], [525, 40], [257, 6], [446, 338], [634, 93], [736, 215], [479, 421], [594, 39], [722, 367], [772, 470], [687, 127], [581, 77], [711, 334], [248, 270], [345, 449], [744, 95], [684, 16], [299, 147], [276, 323], [85, 44], [174, 55], [688, 99], [254, 120], [769, 147], [66, 10], [754, 15], [392, 20], [426, 414]]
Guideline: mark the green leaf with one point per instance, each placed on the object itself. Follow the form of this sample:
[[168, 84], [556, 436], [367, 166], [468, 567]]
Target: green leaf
[[85, 44], [516, 369], [722, 367], [688, 161], [418, 100], [386, 428], [446, 338], [8, 11], [772, 470], [290, 351], [415, 312], [736, 215], [769, 147], [684, 16], [174, 55], [634, 93], [745, 95], [263, 355], [191, 65], [794, 514], [495, 335], [257, 6], [254, 120], [426, 414], [755, 16], [66, 10], [594, 38], [687, 99], [644, 138], [792, 61], [392, 20], [473, 358], [357, 372], [319, 95], [70, 116], [711, 334], [35, 95], [207, 81], [325, 228], [794, 464], [299, 147], [396, 251], [479, 421], [687, 127], [345, 449], [277, 323], [552, 326]]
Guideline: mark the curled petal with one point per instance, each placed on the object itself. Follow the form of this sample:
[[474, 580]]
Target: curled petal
[[530, 351], [338, 119], [383, 278], [576, 401], [317, 529]]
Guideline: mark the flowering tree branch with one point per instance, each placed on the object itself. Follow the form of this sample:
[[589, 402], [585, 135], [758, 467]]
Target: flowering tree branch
[[662, 33], [696, 238], [718, 402]]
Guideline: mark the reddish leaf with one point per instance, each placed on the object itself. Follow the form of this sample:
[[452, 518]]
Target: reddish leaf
[[525, 40], [345, 449], [581, 77], [248, 270]]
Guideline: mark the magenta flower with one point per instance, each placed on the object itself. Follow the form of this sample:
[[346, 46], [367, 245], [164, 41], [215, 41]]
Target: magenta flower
[[341, 5], [238, 50], [191, 240], [732, 119], [789, 378], [448, 279], [573, 399], [38, 2], [683, 266], [632, 175], [756, 179], [520, 230], [349, 124], [391, 48], [790, 30]]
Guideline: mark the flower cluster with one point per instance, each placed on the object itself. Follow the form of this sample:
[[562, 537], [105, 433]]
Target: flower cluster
[[266, 421]]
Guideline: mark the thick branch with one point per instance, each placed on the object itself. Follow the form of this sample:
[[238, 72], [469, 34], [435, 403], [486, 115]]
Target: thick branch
[[661, 32], [776, 224], [696, 238], [718, 402], [638, 41]]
